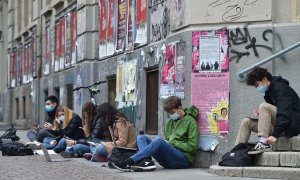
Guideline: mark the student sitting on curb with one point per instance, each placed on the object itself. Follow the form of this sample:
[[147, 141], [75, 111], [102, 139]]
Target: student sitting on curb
[[280, 115], [177, 151]]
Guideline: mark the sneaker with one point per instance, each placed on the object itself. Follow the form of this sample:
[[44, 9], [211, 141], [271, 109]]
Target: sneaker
[[260, 148], [66, 154], [87, 156], [122, 166], [145, 165]]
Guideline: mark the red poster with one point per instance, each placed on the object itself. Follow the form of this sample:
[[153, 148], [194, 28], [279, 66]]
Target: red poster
[[121, 28], [74, 29], [141, 14], [14, 65], [102, 23], [62, 37], [57, 41], [68, 39], [130, 15], [110, 29]]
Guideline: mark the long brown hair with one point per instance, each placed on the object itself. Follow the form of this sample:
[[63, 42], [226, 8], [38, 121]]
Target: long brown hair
[[108, 115], [91, 111], [68, 113]]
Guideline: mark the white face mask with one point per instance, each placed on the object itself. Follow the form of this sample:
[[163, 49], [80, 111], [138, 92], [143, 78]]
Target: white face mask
[[175, 116], [61, 118]]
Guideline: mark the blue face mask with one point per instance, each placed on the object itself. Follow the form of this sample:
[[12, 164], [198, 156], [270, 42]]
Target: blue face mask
[[48, 108], [61, 118], [261, 89], [175, 116]]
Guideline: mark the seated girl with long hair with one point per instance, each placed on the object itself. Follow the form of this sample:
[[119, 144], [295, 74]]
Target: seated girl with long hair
[[123, 132], [92, 129], [69, 126]]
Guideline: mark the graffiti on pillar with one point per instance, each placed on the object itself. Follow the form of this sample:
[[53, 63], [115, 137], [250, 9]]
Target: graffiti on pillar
[[160, 20], [78, 80], [239, 10], [250, 46], [177, 14]]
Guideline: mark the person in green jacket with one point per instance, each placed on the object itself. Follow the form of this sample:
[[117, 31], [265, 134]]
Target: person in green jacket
[[177, 151]]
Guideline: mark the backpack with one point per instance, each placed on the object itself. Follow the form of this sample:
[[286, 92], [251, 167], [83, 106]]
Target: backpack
[[192, 111], [120, 154], [238, 156], [16, 149], [9, 134]]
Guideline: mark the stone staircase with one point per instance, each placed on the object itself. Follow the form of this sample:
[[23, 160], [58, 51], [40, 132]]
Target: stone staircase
[[282, 163]]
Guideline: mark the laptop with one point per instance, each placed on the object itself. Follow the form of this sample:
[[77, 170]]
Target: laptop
[[37, 145]]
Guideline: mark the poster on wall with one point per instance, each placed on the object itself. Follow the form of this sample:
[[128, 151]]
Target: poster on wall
[[141, 22], [210, 51], [34, 66], [130, 26], [13, 67], [180, 70], [110, 49], [68, 40], [25, 64], [167, 87], [210, 93], [52, 47], [74, 36], [62, 43], [47, 50], [177, 13], [30, 57], [8, 67], [102, 28], [119, 79], [19, 64], [78, 80], [57, 46], [121, 25]]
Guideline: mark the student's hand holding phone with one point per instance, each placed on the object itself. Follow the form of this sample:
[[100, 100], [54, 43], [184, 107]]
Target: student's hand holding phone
[[48, 126], [37, 128], [53, 142]]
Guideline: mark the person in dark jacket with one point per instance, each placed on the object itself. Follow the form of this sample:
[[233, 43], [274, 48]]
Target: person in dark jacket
[[93, 133], [51, 104], [278, 116], [69, 126]]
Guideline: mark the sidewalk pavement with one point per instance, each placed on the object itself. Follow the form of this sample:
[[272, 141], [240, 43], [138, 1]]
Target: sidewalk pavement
[[36, 167]]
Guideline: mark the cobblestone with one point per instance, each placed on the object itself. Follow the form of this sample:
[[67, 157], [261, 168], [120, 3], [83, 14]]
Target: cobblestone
[[36, 167]]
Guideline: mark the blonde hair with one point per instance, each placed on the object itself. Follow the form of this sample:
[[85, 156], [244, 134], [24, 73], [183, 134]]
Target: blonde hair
[[68, 113]]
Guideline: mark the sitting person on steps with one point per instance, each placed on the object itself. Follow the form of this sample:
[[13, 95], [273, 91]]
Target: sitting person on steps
[[279, 115]]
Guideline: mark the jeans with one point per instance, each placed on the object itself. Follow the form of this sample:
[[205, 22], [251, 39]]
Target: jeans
[[98, 150], [263, 126], [165, 154], [59, 147], [81, 149]]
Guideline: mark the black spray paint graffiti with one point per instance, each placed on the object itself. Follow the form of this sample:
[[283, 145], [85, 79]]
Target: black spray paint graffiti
[[233, 11], [242, 37]]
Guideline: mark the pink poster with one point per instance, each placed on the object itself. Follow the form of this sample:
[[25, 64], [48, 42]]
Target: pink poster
[[74, 36], [121, 25], [210, 93], [167, 87], [210, 51]]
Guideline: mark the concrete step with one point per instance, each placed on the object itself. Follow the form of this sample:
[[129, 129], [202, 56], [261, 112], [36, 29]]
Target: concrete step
[[257, 172], [287, 144], [283, 159]]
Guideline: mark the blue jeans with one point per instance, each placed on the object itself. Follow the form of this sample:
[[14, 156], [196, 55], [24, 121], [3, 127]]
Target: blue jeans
[[81, 149], [59, 147], [165, 154], [99, 150]]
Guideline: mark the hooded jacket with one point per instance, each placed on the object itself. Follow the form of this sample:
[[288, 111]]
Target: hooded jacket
[[183, 134], [281, 95]]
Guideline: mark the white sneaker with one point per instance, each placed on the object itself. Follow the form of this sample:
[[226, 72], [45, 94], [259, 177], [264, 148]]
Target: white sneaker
[[260, 148]]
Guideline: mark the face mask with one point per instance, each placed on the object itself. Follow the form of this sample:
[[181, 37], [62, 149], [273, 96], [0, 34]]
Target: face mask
[[61, 118], [48, 108], [175, 116], [261, 89]]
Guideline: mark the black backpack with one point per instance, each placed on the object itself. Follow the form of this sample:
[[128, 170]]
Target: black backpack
[[238, 156], [120, 154], [9, 134], [16, 149]]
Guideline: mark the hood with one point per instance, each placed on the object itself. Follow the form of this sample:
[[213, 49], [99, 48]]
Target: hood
[[279, 79]]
